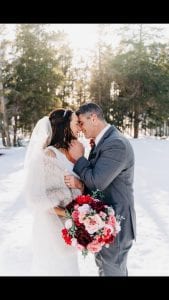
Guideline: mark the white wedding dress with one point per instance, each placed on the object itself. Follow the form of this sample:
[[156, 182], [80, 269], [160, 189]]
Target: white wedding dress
[[45, 189]]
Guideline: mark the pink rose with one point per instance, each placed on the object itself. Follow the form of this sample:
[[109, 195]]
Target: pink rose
[[93, 223], [94, 246], [75, 215], [80, 247], [111, 220]]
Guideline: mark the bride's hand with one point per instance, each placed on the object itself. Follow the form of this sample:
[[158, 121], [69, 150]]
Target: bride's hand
[[73, 182], [59, 211], [76, 150]]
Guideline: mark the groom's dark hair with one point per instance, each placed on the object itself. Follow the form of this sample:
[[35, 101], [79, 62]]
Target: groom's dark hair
[[90, 108]]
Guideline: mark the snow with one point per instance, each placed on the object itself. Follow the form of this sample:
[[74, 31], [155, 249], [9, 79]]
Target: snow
[[149, 255]]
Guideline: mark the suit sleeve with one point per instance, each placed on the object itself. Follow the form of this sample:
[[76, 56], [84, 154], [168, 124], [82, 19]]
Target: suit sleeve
[[108, 166]]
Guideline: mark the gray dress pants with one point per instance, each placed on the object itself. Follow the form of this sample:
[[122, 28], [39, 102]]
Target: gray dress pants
[[112, 261]]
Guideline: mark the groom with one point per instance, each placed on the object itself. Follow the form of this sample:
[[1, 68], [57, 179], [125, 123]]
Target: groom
[[109, 168]]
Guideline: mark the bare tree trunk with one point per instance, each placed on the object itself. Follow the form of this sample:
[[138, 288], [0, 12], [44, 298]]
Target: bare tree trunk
[[3, 138], [136, 124], [99, 91], [5, 122], [15, 131], [5, 129]]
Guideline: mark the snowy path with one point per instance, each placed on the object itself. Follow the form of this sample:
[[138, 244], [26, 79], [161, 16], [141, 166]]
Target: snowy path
[[149, 255]]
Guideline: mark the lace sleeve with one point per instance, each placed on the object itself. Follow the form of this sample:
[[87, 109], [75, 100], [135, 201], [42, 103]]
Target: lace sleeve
[[44, 183]]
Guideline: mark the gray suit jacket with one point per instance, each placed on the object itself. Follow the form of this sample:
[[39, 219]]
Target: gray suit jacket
[[111, 170]]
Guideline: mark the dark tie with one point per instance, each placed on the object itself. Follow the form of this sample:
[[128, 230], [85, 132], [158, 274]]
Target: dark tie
[[93, 145]]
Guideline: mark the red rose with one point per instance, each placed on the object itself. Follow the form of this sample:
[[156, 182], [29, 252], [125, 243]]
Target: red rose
[[98, 206], [66, 236], [109, 239], [83, 237], [84, 199]]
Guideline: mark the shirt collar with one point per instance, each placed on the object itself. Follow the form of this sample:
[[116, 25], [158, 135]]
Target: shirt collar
[[102, 132]]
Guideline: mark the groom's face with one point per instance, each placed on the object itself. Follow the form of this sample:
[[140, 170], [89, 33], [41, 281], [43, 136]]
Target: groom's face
[[86, 122]]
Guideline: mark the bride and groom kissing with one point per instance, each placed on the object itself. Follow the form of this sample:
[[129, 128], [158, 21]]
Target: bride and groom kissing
[[53, 149]]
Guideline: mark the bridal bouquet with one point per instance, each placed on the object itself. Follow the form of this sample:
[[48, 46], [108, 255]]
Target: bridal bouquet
[[90, 224]]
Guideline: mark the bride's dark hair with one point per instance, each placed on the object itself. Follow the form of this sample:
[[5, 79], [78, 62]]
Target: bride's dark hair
[[61, 132]]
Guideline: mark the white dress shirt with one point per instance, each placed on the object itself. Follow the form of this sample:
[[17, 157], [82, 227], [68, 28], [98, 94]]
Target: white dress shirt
[[102, 132]]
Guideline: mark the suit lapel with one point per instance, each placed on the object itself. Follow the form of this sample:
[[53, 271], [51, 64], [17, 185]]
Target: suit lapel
[[93, 152], [105, 136]]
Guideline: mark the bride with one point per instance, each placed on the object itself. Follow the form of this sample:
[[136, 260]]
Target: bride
[[47, 161]]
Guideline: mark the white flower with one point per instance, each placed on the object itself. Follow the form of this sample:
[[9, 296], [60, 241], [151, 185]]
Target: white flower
[[68, 224], [85, 208], [118, 227], [111, 211]]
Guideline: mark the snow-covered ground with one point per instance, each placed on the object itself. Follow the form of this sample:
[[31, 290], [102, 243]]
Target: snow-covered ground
[[149, 255]]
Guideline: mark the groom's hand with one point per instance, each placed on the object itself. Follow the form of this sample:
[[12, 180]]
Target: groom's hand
[[76, 149]]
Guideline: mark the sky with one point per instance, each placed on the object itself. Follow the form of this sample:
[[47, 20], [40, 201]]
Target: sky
[[80, 35], [83, 37], [149, 255]]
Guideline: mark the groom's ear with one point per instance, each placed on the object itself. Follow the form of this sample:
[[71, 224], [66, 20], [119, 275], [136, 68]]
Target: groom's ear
[[94, 117]]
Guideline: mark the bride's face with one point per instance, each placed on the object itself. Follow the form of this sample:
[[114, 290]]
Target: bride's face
[[74, 125]]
